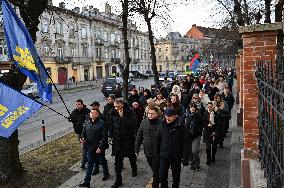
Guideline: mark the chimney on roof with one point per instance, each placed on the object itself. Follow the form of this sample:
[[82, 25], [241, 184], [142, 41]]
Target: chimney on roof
[[76, 10], [62, 5], [107, 8], [193, 25], [85, 11], [49, 3], [94, 12]]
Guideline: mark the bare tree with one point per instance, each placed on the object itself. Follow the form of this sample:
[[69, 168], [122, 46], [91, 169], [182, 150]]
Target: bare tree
[[149, 10], [125, 67], [10, 166], [267, 11]]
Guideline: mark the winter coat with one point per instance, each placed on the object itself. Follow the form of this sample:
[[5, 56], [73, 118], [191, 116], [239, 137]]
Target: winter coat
[[210, 126], [95, 134], [193, 122], [107, 109], [172, 141], [229, 99], [122, 130], [143, 100], [139, 114], [211, 92], [146, 135], [133, 98], [78, 118]]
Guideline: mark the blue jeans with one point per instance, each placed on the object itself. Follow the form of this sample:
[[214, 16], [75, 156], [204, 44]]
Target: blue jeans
[[92, 157], [101, 159]]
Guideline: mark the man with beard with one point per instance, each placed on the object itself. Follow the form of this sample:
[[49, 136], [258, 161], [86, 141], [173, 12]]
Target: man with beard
[[146, 135]]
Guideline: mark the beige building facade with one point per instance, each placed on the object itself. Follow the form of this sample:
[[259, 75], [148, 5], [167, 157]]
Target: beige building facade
[[87, 44], [173, 52]]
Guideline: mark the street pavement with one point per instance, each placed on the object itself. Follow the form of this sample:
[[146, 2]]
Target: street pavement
[[30, 134], [224, 173]]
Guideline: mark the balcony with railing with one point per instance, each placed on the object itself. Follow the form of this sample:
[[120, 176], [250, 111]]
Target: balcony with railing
[[115, 60]]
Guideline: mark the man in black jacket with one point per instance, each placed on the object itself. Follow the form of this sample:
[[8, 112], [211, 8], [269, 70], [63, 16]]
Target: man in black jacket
[[107, 108], [146, 135], [171, 148], [123, 123], [94, 136], [78, 117], [101, 159]]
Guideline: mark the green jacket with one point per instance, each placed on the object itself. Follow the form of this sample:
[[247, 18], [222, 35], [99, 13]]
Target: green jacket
[[146, 134]]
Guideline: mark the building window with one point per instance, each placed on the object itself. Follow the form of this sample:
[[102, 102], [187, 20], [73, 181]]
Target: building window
[[60, 52], [45, 25], [71, 31], [118, 38], [72, 52], [112, 38], [160, 49], [106, 53], [119, 54], [84, 32], [113, 54], [46, 50], [85, 51], [98, 52], [98, 34], [59, 27], [105, 36]]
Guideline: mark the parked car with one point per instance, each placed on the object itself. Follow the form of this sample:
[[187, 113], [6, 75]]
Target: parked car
[[181, 77], [30, 90], [138, 74], [114, 85], [162, 76], [149, 73]]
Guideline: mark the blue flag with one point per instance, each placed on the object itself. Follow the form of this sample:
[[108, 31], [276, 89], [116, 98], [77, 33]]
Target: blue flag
[[22, 50], [195, 65], [15, 108]]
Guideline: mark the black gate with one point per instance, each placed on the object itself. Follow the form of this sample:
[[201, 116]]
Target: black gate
[[271, 121]]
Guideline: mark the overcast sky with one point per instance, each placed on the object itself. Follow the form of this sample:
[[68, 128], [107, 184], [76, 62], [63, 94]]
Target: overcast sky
[[183, 16]]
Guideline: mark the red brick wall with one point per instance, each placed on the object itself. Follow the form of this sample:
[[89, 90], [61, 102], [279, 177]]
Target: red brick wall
[[260, 45]]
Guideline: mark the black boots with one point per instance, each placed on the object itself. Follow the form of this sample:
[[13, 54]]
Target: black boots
[[95, 171], [134, 171], [208, 152], [116, 184], [84, 185]]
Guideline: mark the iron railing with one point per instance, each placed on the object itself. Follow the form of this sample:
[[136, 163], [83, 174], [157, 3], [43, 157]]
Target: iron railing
[[271, 122]]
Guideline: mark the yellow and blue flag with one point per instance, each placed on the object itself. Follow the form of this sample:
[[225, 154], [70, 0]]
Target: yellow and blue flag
[[22, 50], [15, 108]]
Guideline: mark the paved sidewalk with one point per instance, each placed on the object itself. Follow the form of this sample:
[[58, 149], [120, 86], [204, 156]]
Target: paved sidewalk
[[224, 173], [216, 175]]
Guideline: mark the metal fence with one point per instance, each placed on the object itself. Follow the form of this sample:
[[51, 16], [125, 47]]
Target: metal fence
[[270, 122]]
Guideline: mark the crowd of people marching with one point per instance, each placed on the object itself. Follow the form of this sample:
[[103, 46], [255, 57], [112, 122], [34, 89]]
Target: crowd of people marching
[[169, 120]]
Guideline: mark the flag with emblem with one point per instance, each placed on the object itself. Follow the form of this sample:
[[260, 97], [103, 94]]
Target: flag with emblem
[[15, 108], [22, 51]]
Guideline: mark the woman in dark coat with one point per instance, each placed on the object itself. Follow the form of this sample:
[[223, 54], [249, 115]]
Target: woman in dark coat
[[221, 117], [210, 133], [176, 104], [133, 97]]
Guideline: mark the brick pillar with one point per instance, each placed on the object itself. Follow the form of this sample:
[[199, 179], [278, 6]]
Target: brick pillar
[[259, 43]]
